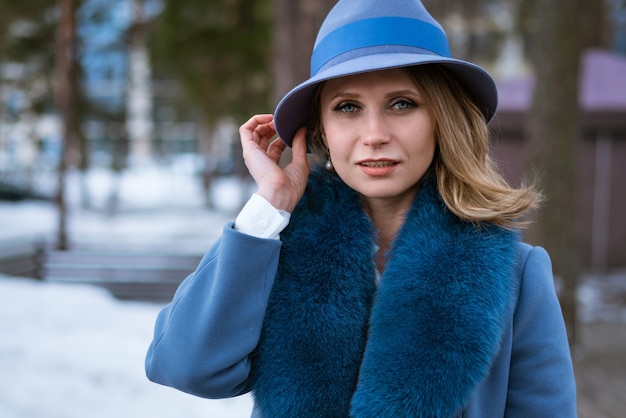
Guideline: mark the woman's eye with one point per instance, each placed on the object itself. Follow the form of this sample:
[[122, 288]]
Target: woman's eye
[[403, 104], [346, 107]]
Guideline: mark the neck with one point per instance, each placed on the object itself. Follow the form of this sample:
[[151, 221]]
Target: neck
[[387, 219]]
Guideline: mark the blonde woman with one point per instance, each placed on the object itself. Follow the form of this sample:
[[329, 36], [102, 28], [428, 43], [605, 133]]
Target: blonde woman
[[387, 279]]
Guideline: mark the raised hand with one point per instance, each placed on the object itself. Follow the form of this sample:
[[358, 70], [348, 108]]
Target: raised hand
[[281, 186]]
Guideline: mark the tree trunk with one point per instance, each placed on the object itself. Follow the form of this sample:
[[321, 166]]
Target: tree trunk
[[296, 23], [139, 122], [553, 134], [66, 99]]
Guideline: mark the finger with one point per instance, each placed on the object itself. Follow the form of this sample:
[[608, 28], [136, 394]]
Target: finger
[[264, 134], [276, 149], [246, 131], [298, 146], [255, 121]]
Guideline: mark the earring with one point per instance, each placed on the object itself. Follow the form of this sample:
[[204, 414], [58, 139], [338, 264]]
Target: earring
[[329, 165]]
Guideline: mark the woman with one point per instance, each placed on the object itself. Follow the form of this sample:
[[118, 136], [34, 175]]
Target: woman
[[391, 281]]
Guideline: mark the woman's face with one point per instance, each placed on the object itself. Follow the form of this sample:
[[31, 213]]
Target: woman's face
[[379, 133]]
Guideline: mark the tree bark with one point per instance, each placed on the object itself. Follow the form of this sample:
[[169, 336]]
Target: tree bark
[[296, 23], [553, 134], [139, 123], [66, 99]]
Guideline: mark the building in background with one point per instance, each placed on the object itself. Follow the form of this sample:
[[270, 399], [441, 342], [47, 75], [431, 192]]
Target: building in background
[[601, 155]]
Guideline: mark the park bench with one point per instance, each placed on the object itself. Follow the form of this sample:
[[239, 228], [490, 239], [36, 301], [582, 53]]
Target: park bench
[[20, 258], [128, 275]]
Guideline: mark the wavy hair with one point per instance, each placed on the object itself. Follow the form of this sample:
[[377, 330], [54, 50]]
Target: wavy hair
[[467, 178]]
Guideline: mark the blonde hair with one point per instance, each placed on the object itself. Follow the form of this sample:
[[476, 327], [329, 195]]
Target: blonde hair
[[467, 178]]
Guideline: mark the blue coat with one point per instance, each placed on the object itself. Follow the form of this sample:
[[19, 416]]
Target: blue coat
[[465, 321]]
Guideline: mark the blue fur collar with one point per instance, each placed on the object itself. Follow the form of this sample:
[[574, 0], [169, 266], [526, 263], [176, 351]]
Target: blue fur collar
[[334, 346]]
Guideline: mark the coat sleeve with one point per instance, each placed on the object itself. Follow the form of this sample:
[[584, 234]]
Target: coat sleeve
[[541, 380], [203, 338]]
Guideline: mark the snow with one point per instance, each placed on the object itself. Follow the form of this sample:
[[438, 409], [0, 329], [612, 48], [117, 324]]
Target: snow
[[73, 351]]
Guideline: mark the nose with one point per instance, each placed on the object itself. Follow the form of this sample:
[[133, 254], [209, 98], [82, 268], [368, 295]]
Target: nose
[[376, 132]]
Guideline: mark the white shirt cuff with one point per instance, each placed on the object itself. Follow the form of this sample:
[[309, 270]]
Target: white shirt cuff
[[260, 219]]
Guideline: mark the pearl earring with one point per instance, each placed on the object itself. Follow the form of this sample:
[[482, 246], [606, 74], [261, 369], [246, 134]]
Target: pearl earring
[[329, 165]]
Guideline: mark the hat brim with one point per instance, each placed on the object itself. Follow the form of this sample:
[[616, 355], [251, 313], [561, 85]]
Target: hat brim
[[292, 111]]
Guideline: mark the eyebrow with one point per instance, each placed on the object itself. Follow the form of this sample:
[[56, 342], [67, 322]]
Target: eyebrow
[[402, 92]]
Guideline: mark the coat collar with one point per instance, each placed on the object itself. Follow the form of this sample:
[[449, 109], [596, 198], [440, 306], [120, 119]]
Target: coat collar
[[334, 345]]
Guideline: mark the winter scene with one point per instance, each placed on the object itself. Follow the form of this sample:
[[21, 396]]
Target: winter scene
[[121, 131], [73, 350]]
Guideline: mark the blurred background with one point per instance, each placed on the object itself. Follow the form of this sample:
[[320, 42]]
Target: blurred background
[[120, 158]]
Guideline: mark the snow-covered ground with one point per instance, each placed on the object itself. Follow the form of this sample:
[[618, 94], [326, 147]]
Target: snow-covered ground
[[73, 351], [70, 351]]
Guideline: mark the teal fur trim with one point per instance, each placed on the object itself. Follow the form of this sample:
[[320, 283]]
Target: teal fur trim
[[333, 345]]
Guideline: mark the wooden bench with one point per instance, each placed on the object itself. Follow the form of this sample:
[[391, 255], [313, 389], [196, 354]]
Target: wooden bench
[[128, 275], [21, 258]]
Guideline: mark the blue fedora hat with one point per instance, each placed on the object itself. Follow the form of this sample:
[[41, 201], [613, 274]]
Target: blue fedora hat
[[359, 36]]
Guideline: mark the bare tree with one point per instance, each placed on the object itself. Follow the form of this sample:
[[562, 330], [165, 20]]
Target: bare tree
[[66, 97], [553, 134], [296, 23], [139, 125]]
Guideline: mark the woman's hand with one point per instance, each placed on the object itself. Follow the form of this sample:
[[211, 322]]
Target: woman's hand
[[281, 186]]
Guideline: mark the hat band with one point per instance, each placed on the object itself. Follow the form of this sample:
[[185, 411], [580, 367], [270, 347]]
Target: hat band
[[376, 32]]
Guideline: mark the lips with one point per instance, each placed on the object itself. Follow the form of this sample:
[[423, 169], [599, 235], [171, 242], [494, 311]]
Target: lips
[[377, 167], [377, 163]]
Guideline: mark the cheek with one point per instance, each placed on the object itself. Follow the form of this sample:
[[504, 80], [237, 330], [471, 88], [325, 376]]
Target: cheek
[[429, 150], [427, 141], [336, 149], [333, 138], [325, 128], [424, 149]]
